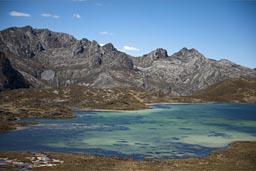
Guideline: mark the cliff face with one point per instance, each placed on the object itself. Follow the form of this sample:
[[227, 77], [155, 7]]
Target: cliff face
[[9, 77], [47, 58]]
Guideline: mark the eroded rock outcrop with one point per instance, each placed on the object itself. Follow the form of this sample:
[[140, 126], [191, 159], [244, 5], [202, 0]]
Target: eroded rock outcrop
[[47, 58], [9, 77]]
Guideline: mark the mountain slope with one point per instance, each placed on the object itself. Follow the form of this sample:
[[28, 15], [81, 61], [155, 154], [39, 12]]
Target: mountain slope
[[188, 71], [233, 90], [9, 77], [46, 59]]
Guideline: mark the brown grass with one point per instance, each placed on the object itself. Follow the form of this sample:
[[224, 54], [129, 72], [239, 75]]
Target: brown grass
[[241, 90], [239, 156]]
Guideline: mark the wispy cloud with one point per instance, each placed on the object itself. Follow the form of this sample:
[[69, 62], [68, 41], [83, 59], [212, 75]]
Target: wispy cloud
[[76, 16], [50, 15], [105, 33], [130, 48], [99, 4], [79, 0], [19, 14]]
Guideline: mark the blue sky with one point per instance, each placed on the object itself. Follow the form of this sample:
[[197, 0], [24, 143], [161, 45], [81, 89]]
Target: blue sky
[[218, 29]]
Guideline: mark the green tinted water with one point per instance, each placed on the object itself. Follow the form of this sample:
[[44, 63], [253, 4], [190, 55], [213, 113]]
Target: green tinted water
[[166, 131]]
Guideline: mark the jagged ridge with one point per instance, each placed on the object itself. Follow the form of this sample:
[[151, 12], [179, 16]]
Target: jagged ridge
[[47, 58]]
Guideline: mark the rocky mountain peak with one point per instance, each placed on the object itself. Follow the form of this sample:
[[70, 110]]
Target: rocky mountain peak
[[95, 44], [148, 59], [156, 54], [27, 28], [47, 58], [109, 47], [187, 53], [28, 42]]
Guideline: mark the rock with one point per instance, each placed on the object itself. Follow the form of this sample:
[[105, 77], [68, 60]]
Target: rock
[[46, 58], [48, 75], [9, 77], [147, 59]]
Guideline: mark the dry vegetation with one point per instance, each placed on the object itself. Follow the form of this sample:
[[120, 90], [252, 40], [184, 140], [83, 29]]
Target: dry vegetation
[[238, 90], [58, 102], [239, 156], [6, 126]]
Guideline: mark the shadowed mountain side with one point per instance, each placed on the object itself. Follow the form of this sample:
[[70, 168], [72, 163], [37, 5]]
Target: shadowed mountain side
[[233, 90], [9, 77], [49, 59]]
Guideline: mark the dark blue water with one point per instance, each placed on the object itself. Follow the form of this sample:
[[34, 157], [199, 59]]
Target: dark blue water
[[166, 131]]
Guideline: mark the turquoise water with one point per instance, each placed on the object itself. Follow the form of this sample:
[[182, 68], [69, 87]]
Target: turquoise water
[[166, 131]]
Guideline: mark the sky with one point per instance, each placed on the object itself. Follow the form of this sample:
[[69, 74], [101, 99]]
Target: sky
[[219, 29]]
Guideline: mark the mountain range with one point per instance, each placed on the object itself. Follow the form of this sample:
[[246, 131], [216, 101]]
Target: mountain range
[[43, 58]]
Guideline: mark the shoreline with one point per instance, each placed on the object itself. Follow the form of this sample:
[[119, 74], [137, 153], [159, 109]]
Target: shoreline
[[224, 159], [242, 152], [14, 124]]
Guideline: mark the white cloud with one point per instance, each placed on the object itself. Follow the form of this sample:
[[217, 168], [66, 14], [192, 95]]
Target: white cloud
[[19, 14], [102, 44], [50, 15], [105, 33], [130, 48], [76, 16]]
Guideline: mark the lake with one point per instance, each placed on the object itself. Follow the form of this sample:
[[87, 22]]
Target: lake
[[165, 131]]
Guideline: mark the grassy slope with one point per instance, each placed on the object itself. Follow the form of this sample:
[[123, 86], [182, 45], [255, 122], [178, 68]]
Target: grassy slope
[[58, 102], [241, 90]]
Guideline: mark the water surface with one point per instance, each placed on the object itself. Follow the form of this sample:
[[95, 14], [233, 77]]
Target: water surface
[[166, 131]]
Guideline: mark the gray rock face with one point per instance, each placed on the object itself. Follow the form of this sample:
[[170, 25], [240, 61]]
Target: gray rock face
[[47, 58], [183, 73], [48, 75], [9, 77], [148, 59]]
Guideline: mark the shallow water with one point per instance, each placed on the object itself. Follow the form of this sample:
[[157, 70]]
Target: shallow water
[[166, 131]]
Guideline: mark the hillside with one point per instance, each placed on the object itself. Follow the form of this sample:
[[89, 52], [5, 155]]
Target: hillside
[[51, 59], [9, 77], [58, 102], [233, 90]]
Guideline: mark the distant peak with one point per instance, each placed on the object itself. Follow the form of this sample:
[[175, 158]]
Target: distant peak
[[95, 43], [158, 53], [27, 27], [184, 49], [109, 47], [162, 51], [185, 52]]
